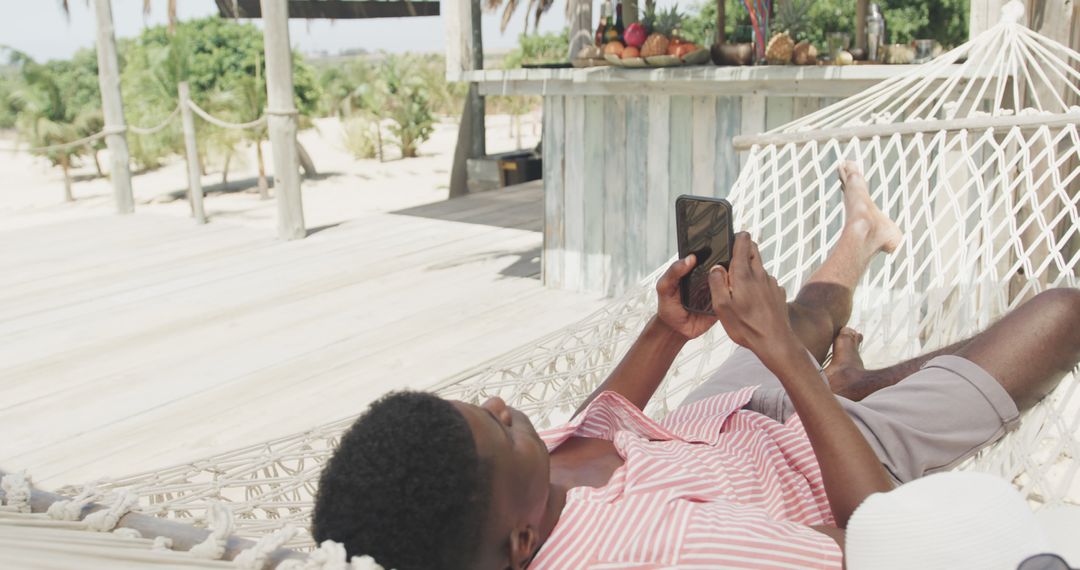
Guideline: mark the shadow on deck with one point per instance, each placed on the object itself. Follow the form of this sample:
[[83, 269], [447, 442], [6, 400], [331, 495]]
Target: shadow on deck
[[516, 207]]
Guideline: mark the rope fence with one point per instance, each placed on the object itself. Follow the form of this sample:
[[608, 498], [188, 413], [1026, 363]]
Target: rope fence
[[225, 124], [157, 128], [146, 131]]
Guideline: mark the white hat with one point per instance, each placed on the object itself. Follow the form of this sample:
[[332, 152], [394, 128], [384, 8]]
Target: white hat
[[954, 521]]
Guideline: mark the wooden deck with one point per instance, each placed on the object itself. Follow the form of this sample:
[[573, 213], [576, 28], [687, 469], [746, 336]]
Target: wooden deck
[[128, 343]]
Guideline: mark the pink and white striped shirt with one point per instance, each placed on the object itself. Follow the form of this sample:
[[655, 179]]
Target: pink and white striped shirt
[[711, 486]]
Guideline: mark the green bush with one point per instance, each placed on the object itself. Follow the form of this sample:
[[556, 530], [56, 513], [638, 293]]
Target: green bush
[[942, 20], [539, 48], [361, 137], [218, 58], [406, 103]]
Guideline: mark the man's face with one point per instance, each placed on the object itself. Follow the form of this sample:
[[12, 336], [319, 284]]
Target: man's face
[[520, 469]]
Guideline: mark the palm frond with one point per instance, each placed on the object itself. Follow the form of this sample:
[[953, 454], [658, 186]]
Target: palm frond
[[508, 11]]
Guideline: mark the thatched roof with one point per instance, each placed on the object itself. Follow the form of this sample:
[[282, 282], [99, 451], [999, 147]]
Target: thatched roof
[[335, 9]]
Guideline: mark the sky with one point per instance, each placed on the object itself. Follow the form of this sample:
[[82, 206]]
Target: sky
[[41, 29]]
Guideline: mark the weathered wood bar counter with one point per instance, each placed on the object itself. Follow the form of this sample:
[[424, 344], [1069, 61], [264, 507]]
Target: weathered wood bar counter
[[620, 144]]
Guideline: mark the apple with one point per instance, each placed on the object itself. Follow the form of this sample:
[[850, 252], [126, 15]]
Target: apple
[[635, 35]]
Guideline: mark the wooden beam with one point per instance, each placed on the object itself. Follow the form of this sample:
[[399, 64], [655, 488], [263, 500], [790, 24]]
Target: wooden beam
[[581, 30], [983, 15], [335, 9], [113, 108], [478, 141], [282, 117], [843, 134], [191, 152], [465, 53]]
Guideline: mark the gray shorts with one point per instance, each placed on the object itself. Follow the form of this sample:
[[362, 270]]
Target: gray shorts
[[928, 422]]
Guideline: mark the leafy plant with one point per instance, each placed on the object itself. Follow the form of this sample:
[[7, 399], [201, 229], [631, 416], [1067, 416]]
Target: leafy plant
[[218, 58], [48, 116], [943, 20], [792, 17], [406, 105], [538, 48], [361, 137]]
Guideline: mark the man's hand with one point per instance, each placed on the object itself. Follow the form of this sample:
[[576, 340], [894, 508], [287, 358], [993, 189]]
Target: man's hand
[[670, 308], [749, 303]]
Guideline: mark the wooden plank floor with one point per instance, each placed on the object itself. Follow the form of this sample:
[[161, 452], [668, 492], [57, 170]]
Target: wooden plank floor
[[128, 343]]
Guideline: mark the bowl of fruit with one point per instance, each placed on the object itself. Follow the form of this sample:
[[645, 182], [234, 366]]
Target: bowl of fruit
[[654, 42]]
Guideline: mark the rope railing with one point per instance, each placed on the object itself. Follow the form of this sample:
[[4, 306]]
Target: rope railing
[[146, 131], [224, 124], [156, 128]]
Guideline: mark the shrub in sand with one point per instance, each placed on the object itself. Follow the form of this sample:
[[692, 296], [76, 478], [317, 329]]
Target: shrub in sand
[[361, 137], [407, 104]]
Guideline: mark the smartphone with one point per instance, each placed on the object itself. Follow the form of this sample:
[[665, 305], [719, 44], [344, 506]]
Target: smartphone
[[704, 229]]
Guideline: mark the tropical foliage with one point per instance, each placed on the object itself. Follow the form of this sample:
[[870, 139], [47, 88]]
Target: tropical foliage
[[401, 94], [942, 20], [56, 103], [222, 62]]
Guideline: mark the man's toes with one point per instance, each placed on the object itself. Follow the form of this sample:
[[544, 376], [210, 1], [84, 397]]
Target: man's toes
[[851, 333]]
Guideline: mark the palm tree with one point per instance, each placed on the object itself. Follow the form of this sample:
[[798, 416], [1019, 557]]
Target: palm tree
[[45, 119], [247, 101]]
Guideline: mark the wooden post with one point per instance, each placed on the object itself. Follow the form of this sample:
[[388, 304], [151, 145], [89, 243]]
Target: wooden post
[[113, 107], [581, 32], [478, 146], [281, 114], [195, 191], [721, 23], [983, 15], [465, 52], [629, 12]]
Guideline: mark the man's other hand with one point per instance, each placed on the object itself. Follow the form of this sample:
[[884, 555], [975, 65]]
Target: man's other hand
[[749, 303], [670, 308]]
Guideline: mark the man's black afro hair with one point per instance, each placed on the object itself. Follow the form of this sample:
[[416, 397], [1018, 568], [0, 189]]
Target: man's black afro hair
[[406, 486]]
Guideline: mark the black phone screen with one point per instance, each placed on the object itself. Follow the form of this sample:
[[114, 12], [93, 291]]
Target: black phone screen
[[704, 229]]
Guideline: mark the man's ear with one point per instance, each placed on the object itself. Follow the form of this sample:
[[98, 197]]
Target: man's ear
[[523, 542]]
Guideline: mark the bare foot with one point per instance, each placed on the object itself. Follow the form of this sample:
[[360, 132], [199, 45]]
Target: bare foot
[[846, 367], [862, 215]]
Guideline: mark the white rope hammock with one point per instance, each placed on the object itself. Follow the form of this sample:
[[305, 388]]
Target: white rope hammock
[[990, 214]]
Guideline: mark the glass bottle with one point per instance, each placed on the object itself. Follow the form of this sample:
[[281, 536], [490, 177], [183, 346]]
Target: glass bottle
[[601, 29], [619, 29], [610, 34]]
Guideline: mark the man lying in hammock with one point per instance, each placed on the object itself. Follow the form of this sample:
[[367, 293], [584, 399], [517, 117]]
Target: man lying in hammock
[[733, 478]]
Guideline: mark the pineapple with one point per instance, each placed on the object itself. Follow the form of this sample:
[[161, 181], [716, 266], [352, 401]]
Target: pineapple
[[668, 21], [662, 27], [792, 17], [780, 49], [649, 19]]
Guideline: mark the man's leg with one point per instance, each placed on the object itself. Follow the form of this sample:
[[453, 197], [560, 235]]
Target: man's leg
[[850, 379], [823, 305], [953, 405], [1027, 352]]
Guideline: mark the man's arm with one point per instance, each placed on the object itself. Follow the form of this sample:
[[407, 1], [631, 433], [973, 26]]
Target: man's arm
[[752, 308], [640, 372]]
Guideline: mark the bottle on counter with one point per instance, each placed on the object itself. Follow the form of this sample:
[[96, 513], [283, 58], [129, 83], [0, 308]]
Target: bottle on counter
[[605, 21], [619, 28], [875, 33], [610, 34]]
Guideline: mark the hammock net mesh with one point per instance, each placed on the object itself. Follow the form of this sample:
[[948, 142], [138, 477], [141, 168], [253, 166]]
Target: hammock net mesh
[[976, 156]]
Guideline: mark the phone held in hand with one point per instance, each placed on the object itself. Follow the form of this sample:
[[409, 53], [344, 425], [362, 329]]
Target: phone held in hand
[[704, 229]]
